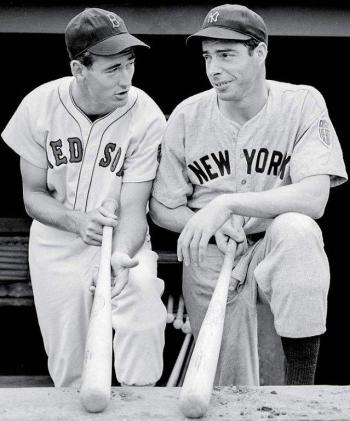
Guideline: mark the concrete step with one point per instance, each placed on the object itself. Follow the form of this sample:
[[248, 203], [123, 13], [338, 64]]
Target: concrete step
[[279, 403]]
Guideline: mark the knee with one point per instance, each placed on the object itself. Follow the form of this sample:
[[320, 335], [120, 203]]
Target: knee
[[144, 284], [295, 227]]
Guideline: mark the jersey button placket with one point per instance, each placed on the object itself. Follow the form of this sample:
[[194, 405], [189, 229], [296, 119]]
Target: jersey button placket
[[240, 174]]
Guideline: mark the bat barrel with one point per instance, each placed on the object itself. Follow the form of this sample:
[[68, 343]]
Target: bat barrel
[[97, 372], [198, 384]]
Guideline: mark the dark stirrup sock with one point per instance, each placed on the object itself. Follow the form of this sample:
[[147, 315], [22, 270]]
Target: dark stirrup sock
[[301, 359]]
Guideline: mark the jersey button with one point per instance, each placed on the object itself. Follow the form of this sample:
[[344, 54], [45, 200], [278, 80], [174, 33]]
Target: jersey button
[[244, 181]]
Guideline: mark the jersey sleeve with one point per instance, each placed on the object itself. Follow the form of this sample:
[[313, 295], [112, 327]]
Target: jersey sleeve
[[141, 159], [20, 134], [172, 185], [317, 150]]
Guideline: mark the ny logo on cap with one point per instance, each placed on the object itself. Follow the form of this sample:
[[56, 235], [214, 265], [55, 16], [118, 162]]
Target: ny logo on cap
[[213, 17], [114, 21]]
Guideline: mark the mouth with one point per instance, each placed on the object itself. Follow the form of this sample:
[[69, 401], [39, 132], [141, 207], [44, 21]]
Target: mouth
[[221, 85], [122, 94]]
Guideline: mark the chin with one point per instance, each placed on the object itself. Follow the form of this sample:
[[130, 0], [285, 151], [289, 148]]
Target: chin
[[227, 96]]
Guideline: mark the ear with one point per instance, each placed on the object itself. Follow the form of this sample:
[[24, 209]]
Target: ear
[[261, 51], [77, 69]]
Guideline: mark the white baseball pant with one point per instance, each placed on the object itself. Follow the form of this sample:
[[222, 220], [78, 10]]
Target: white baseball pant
[[61, 271]]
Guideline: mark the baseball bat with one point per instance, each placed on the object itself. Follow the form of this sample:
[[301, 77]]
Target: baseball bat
[[198, 383], [174, 376], [97, 372], [170, 309], [178, 322]]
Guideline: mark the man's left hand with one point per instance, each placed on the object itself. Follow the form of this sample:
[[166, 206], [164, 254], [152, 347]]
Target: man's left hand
[[121, 263]]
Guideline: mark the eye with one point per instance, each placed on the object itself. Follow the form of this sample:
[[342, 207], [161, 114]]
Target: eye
[[112, 70]]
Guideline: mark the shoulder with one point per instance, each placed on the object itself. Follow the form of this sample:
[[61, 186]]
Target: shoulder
[[303, 94], [46, 90], [144, 102], [193, 108], [195, 102]]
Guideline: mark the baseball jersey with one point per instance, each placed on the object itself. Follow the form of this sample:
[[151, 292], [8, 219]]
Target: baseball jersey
[[83, 158], [205, 154]]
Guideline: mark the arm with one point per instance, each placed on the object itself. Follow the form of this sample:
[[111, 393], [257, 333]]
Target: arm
[[309, 197], [41, 206], [171, 219], [132, 225], [131, 231]]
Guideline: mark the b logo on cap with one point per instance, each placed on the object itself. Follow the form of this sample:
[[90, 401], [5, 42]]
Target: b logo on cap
[[213, 17], [114, 21]]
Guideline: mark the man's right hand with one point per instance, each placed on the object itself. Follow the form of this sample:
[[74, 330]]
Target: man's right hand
[[90, 225], [233, 228]]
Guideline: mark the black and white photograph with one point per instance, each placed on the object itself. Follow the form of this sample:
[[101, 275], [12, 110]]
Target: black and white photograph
[[174, 218]]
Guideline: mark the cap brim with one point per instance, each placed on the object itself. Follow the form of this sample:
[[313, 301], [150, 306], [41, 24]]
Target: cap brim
[[116, 44], [218, 33]]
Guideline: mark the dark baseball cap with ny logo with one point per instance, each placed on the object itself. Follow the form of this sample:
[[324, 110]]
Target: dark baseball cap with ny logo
[[232, 22], [100, 32]]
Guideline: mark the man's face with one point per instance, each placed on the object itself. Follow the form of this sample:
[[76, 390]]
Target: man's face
[[109, 78], [232, 72]]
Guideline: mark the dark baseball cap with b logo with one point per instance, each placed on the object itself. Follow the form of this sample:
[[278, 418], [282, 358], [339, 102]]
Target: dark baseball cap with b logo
[[99, 31], [231, 21]]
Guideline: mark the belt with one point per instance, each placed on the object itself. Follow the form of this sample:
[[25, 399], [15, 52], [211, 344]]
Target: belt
[[252, 238]]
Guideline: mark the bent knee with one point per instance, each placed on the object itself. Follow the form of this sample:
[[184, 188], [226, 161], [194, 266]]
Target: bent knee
[[295, 226]]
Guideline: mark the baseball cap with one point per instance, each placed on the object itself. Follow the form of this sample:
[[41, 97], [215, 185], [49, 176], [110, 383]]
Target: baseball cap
[[231, 21], [99, 31]]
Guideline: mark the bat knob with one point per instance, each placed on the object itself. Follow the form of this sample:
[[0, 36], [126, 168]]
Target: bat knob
[[193, 408], [170, 318], [178, 323], [94, 400]]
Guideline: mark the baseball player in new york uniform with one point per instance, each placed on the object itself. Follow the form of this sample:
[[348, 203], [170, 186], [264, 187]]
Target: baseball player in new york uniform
[[262, 154], [82, 139]]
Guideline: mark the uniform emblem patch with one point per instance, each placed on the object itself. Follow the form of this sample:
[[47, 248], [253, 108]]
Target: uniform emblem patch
[[324, 132]]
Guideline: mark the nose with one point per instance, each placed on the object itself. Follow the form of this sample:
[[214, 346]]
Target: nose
[[213, 67], [125, 77]]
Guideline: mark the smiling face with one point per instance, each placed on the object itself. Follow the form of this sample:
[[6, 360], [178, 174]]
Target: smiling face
[[232, 70], [107, 81]]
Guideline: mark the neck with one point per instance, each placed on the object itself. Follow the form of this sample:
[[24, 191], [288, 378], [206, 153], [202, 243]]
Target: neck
[[84, 101], [246, 108]]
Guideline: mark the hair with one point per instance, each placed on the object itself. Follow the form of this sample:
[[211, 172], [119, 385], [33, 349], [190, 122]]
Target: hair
[[85, 58], [251, 44]]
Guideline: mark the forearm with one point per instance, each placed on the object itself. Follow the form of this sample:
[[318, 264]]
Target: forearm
[[171, 219], [130, 233], [301, 197], [40, 205]]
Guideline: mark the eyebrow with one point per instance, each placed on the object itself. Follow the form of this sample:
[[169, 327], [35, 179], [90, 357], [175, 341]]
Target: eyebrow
[[113, 66], [222, 50]]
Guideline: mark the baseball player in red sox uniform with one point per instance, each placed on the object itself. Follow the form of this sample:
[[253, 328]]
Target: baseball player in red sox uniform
[[262, 154], [79, 137]]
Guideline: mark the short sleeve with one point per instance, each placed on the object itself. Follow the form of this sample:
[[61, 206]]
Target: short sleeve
[[317, 150], [172, 185], [141, 159], [21, 135]]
